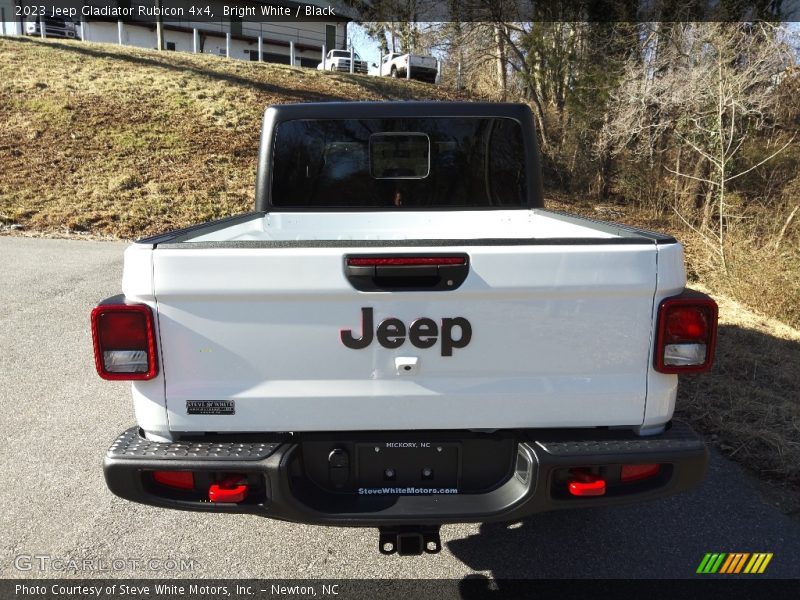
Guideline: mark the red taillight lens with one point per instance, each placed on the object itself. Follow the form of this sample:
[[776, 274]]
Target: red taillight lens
[[638, 472], [412, 261], [124, 341], [686, 334], [686, 324], [183, 480], [122, 330]]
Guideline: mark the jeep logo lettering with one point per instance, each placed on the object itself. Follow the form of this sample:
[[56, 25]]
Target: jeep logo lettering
[[423, 333]]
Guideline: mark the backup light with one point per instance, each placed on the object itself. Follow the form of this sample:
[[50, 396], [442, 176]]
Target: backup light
[[124, 342]]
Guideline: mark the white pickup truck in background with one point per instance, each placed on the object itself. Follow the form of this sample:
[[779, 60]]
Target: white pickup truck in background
[[424, 68], [339, 60], [401, 335], [55, 27]]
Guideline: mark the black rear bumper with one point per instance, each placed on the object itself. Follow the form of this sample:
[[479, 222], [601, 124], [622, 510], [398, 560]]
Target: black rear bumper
[[279, 473]]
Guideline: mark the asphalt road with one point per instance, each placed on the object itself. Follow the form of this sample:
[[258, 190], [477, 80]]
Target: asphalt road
[[58, 418]]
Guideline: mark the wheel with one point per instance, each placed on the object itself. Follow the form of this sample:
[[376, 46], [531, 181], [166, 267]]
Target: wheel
[[394, 72]]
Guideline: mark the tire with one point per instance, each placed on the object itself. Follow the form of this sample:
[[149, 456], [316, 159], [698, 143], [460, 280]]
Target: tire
[[394, 72]]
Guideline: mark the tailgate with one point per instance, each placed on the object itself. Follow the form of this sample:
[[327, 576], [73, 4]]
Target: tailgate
[[559, 337], [427, 62]]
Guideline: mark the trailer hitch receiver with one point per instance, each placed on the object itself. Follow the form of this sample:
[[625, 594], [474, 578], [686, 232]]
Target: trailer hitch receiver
[[410, 540]]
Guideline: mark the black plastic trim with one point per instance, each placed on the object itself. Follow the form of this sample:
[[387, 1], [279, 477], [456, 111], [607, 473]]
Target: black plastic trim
[[609, 227], [626, 235], [677, 438], [409, 243], [187, 233], [118, 299]]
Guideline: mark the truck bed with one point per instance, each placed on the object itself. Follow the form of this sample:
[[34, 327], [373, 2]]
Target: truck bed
[[530, 226]]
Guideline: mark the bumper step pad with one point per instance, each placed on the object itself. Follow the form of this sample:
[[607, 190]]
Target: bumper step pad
[[677, 438], [131, 444]]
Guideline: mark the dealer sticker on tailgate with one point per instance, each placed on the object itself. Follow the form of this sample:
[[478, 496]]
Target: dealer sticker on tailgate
[[210, 407]]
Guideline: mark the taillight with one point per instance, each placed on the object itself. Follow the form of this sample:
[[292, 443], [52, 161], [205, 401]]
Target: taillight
[[124, 341], [686, 334]]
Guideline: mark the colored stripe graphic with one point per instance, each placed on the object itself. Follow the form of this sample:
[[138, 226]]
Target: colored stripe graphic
[[704, 563], [731, 560], [711, 562], [758, 563], [734, 563], [717, 564], [765, 563], [752, 563], [741, 562]]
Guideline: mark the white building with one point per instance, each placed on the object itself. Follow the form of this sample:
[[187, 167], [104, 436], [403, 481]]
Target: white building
[[9, 25], [223, 36]]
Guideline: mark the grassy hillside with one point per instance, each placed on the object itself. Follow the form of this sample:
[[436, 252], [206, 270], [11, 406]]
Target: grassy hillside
[[126, 142]]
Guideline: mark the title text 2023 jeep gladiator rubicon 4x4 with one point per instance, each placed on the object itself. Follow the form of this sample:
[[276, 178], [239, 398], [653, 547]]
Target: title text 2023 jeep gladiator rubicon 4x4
[[401, 336]]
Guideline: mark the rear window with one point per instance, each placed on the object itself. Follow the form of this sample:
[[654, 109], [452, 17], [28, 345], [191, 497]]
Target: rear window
[[399, 163]]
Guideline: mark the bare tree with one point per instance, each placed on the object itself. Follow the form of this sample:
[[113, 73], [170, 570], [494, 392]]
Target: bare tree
[[701, 89]]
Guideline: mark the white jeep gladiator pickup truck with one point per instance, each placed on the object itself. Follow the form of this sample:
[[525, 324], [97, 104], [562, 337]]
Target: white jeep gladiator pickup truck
[[339, 60], [401, 336]]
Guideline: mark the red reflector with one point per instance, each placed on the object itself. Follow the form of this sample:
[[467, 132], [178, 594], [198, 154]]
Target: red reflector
[[406, 261], [638, 472], [586, 484], [124, 341], [230, 489], [183, 480], [590, 488]]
